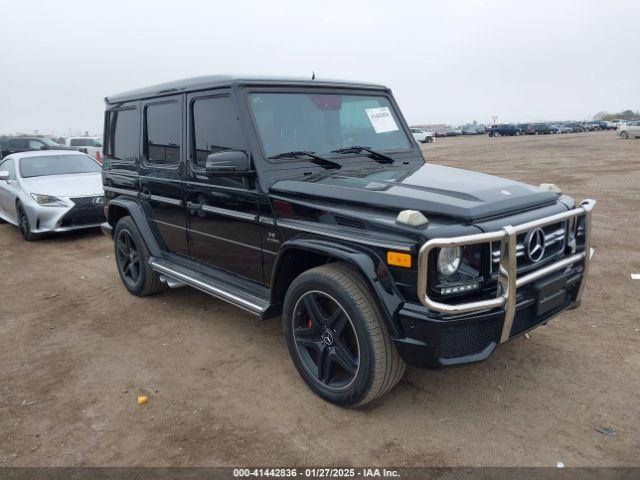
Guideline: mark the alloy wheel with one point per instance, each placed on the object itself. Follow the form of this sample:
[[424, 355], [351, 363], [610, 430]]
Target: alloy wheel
[[128, 257], [326, 340], [23, 222]]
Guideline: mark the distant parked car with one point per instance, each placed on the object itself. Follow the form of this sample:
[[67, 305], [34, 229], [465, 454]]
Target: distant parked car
[[481, 129], [422, 136], [470, 130], [563, 128], [630, 129], [576, 127], [42, 192], [504, 129], [89, 145], [454, 131], [541, 129], [29, 144]]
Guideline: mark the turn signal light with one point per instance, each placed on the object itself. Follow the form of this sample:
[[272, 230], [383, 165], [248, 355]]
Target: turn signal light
[[398, 259]]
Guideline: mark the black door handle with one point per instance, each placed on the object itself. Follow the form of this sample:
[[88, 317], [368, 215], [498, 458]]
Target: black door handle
[[194, 206], [144, 196]]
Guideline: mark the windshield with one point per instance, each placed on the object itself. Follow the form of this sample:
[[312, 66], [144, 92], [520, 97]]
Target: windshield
[[321, 123], [57, 165], [49, 142]]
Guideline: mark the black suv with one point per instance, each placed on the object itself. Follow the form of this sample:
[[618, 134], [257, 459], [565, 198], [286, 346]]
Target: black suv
[[310, 200], [27, 144], [505, 129]]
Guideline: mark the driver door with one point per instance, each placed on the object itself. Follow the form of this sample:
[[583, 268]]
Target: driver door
[[222, 209]]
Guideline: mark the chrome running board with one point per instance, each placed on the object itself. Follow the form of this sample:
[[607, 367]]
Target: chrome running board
[[181, 275]]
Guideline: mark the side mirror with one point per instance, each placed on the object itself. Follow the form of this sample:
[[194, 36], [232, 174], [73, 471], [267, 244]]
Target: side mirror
[[4, 175], [228, 161]]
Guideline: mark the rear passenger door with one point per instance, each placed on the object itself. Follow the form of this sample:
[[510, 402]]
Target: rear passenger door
[[162, 170], [222, 209]]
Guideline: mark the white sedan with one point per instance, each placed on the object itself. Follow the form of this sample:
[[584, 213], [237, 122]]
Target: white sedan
[[51, 191], [422, 136]]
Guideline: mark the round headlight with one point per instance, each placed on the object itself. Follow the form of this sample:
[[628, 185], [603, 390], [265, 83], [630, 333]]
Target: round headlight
[[449, 260]]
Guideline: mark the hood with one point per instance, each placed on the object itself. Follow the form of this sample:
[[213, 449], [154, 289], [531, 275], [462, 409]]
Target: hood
[[431, 189], [76, 185]]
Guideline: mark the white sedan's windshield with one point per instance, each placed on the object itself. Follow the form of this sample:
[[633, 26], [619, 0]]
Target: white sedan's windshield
[[57, 165], [320, 123]]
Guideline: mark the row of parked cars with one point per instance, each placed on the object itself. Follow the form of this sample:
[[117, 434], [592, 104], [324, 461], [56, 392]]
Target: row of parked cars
[[509, 129], [89, 145], [549, 128]]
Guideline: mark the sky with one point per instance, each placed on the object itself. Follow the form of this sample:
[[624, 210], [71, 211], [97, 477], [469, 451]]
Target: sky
[[446, 61]]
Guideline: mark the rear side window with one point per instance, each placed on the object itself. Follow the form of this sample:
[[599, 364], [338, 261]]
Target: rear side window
[[124, 128], [216, 128], [162, 133]]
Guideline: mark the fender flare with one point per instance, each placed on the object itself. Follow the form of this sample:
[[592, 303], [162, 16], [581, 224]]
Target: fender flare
[[140, 219], [365, 260]]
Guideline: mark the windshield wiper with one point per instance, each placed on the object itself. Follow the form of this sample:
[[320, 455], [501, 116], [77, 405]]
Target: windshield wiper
[[377, 156], [323, 162]]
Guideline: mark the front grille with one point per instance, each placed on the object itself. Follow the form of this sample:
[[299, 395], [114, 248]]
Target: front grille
[[350, 222], [468, 339], [555, 242], [86, 211]]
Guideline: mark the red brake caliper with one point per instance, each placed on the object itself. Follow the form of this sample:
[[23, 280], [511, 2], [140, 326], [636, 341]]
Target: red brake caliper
[[309, 324]]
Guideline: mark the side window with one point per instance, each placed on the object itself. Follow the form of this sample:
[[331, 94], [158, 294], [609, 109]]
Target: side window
[[162, 133], [35, 144], [216, 127], [124, 134]]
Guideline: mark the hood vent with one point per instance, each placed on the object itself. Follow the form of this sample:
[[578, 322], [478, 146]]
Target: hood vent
[[350, 222]]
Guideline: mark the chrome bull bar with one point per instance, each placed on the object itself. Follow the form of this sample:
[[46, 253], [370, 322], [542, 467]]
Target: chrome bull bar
[[508, 281]]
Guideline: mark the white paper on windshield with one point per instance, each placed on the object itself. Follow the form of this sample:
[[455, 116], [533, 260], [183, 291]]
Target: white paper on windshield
[[381, 119]]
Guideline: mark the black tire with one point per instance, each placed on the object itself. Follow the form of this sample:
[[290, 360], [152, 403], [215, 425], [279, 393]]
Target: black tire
[[347, 323], [624, 135], [24, 225], [132, 260]]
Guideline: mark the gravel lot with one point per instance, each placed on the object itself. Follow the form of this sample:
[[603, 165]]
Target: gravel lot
[[76, 350]]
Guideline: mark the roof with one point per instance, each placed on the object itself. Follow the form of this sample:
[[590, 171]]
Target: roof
[[216, 81], [43, 153]]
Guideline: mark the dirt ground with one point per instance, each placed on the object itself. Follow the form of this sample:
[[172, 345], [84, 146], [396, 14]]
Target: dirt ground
[[76, 350]]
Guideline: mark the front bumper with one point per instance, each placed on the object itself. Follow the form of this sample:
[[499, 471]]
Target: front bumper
[[440, 334], [77, 214]]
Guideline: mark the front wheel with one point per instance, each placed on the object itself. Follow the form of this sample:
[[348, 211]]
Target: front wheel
[[24, 225], [624, 135], [336, 336]]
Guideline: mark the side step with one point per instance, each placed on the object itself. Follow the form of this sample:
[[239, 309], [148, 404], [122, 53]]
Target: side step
[[207, 284]]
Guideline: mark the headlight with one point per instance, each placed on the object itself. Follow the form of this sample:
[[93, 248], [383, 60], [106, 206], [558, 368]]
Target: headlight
[[48, 200], [449, 261]]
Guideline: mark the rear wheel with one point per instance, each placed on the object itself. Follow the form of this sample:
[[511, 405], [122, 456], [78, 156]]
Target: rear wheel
[[337, 338], [24, 225], [624, 135], [132, 260]]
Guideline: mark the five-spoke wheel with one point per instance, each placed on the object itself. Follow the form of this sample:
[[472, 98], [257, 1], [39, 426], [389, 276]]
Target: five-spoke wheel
[[128, 257], [326, 340], [337, 337], [132, 259]]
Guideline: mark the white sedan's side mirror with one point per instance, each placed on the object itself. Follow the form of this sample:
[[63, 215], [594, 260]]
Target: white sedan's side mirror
[[4, 175]]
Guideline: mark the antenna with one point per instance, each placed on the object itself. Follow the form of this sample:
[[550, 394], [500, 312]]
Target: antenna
[[313, 75]]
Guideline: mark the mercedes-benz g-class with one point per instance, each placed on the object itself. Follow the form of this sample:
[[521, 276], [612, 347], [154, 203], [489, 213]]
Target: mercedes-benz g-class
[[311, 200]]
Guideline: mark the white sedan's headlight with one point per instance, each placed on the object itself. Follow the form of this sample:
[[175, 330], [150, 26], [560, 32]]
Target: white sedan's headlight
[[449, 259], [48, 200]]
